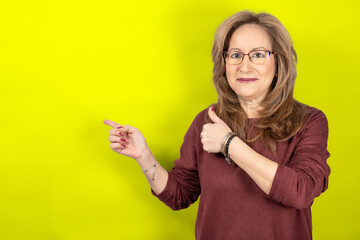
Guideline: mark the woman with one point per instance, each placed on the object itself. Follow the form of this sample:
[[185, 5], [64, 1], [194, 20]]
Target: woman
[[257, 156]]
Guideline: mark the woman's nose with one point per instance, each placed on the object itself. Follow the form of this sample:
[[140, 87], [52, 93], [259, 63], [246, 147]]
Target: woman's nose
[[246, 64]]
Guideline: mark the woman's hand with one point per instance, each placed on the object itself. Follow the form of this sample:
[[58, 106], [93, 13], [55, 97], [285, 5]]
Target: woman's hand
[[213, 134], [127, 140]]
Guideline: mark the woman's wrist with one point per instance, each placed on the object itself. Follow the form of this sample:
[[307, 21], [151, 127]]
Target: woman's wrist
[[226, 147], [236, 146], [223, 143], [145, 159]]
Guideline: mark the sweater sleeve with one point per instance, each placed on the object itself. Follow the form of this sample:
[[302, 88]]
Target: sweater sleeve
[[305, 177], [183, 185]]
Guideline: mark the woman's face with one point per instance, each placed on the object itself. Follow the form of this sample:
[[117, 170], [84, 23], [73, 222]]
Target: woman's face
[[250, 81]]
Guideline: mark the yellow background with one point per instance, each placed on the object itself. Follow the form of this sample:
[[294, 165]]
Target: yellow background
[[65, 66]]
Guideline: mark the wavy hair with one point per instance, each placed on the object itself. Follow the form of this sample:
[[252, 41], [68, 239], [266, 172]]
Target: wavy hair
[[281, 115]]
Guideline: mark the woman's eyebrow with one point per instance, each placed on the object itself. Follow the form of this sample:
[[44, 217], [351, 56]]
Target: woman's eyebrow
[[238, 49]]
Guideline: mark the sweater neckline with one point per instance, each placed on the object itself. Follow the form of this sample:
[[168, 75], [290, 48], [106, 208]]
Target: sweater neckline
[[252, 120]]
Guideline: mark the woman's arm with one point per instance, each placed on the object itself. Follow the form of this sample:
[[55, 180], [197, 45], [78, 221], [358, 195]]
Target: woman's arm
[[295, 184], [129, 141], [305, 176], [156, 175], [261, 169]]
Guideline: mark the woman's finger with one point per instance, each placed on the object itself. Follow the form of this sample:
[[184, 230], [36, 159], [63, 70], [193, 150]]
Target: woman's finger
[[117, 146], [112, 123], [115, 132], [126, 129], [117, 139]]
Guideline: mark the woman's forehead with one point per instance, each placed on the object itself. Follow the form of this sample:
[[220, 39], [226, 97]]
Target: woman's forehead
[[248, 37]]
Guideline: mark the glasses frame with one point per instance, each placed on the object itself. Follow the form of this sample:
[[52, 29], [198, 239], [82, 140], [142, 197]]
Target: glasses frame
[[250, 58]]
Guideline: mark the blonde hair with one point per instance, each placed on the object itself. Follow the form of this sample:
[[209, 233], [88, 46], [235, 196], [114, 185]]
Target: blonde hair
[[282, 116]]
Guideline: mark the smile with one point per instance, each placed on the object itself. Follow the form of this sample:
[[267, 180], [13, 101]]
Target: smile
[[246, 80]]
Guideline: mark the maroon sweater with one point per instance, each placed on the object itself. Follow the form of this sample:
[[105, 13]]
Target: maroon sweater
[[232, 206]]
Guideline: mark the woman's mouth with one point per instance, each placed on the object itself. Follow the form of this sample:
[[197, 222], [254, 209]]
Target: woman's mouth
[[246, 80]]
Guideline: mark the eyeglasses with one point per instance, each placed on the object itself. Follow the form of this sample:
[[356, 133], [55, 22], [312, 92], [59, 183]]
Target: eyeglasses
[[256, 56]]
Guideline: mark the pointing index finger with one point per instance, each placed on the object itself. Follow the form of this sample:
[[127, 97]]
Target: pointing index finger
[[111, 123]]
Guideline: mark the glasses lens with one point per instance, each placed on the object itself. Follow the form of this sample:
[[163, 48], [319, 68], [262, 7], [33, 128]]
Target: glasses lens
[[234, 57], [259, 56]]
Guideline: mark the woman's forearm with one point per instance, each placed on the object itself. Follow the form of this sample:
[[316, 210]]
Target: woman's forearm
[[261, 169], [156, 175]]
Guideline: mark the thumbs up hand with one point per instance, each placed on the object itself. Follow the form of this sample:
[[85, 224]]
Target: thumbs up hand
[[213, 134], [127, 140]]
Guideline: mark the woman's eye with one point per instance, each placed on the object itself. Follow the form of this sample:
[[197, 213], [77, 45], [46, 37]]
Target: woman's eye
[[236, 55], [258, 55]]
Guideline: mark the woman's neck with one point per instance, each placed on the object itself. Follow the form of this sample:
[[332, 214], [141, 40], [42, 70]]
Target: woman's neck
[[251, 108]]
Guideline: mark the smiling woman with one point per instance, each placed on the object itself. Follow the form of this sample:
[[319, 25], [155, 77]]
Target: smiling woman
[[250, 78], [257, 157]]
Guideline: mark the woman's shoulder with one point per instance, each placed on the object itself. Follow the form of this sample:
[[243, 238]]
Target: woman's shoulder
[[199, 120], [316, 121], [314, 114], [197, 124]]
